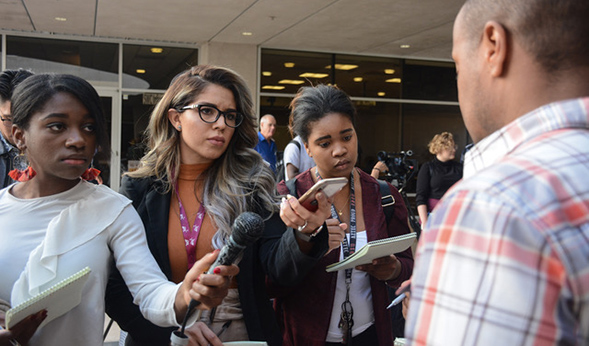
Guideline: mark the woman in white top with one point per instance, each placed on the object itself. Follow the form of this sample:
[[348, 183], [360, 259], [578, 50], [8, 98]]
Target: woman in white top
[[55, 223]]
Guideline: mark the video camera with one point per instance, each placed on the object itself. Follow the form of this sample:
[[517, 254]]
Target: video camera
[[401, 169]]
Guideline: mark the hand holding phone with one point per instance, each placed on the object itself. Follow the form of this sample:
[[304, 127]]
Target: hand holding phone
[[329, 187]]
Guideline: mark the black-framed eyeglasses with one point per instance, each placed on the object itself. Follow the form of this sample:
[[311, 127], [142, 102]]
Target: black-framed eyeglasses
[[210, 114], [5, 117]]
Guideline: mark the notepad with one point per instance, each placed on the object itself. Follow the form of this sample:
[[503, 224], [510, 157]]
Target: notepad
[[374, 249], [57, 300]]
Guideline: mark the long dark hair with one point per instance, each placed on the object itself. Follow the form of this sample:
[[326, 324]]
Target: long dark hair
[[236, 176]]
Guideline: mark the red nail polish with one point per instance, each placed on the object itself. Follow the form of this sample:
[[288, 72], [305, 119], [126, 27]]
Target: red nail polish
[[217, 270], [198, 278]]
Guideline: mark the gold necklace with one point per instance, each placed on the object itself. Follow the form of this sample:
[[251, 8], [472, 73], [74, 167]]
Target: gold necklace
[[340, 212]]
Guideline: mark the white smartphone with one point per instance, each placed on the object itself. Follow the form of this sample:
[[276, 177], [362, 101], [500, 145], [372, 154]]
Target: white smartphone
[[329, 187]]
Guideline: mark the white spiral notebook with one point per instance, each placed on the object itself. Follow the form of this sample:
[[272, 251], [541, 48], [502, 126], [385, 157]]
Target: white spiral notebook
[[375, 249], [57, 300]]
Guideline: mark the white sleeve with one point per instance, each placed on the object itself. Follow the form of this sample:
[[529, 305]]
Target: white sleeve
[[291, 155], [151, 290]]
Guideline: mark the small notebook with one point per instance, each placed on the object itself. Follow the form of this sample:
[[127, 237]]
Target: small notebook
[[374, 249], [57, 300]]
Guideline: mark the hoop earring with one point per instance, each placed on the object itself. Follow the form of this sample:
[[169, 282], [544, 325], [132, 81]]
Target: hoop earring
[[92, 174], [22, 170]]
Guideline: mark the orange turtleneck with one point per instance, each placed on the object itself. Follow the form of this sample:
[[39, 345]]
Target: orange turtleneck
[[190, 188]]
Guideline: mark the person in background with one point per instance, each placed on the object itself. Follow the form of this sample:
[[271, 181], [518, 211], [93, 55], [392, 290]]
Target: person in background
[[296, 159], [9, 79], [54, 223], [435, 177], [266, 145], [311, 312], [200, 173], [378, 169], [504, 257]]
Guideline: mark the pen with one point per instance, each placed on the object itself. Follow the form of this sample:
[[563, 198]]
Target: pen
[[400, 297], [224, 328], [397, 300]]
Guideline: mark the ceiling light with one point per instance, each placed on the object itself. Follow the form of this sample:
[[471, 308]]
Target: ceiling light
[[247, 33], [393, 80], [405, 46], [313, 75], [389, 71], [273, 87], [381, 93], [289, 64], [358, 79], [140, 70], [156, 50], [291, 81], [60, 19], [344, 67], [266, 73]]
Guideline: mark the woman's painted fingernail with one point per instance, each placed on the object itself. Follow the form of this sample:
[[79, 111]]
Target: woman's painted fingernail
[[217, 270], [198, 278]]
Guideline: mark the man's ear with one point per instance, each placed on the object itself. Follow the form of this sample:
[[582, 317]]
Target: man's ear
[[495, 47], [174, 117], [19, 137]]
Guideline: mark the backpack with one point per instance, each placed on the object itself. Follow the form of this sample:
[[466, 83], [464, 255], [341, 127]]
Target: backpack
[[281, 167]]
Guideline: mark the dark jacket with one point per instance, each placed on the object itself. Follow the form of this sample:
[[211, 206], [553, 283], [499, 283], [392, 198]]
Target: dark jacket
[[275, 254], [435, 178], [7, 154], [306, 309]]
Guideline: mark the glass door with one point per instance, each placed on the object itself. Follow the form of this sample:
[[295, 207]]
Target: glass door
[[111, 168]]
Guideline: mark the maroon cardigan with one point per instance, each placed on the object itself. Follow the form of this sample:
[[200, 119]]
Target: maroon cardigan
[[305, 310]]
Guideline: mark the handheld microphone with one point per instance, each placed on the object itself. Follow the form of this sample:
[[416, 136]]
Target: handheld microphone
[[246, 229]]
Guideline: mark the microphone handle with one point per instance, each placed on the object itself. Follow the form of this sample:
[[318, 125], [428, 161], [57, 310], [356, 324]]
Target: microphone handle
[[226, 257], [193, 304]]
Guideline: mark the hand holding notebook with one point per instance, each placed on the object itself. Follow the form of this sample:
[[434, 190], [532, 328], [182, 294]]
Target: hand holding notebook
[[374, 249], [57, 300]]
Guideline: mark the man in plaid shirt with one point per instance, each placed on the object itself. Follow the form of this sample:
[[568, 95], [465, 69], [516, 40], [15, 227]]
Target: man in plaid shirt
[[504, 257]]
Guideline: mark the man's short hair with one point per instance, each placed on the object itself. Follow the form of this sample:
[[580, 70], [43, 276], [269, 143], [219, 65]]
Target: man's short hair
[[555, 32], [9, 79]]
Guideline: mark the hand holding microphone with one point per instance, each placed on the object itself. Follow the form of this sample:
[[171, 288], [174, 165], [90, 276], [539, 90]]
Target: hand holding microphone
[[246, 229]]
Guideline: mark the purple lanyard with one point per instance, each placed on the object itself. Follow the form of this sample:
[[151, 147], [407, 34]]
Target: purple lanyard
[[190, 236]]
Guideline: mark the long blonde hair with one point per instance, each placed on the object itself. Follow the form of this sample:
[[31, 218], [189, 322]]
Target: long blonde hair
[[238, 180]]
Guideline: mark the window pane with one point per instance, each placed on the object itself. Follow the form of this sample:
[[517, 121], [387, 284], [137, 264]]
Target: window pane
[[416, 136], [378, 128], [136, 112], [287, 71], [153, 67], [94, 61], [369, 76], [429, 80], [101, 161]]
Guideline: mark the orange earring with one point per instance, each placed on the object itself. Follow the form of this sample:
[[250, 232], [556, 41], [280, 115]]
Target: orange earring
[[22, 171], [92, 174]]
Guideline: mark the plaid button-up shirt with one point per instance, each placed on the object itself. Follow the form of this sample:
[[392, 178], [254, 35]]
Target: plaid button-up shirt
[[504, 257]]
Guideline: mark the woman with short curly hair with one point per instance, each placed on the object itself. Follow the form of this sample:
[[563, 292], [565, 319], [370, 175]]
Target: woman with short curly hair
[[438, 175]]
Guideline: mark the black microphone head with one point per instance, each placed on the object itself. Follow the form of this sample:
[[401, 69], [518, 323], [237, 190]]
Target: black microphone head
[[247, 228]]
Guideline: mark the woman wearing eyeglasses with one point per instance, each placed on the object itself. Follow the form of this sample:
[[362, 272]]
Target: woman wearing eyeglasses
[[199, 174]]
